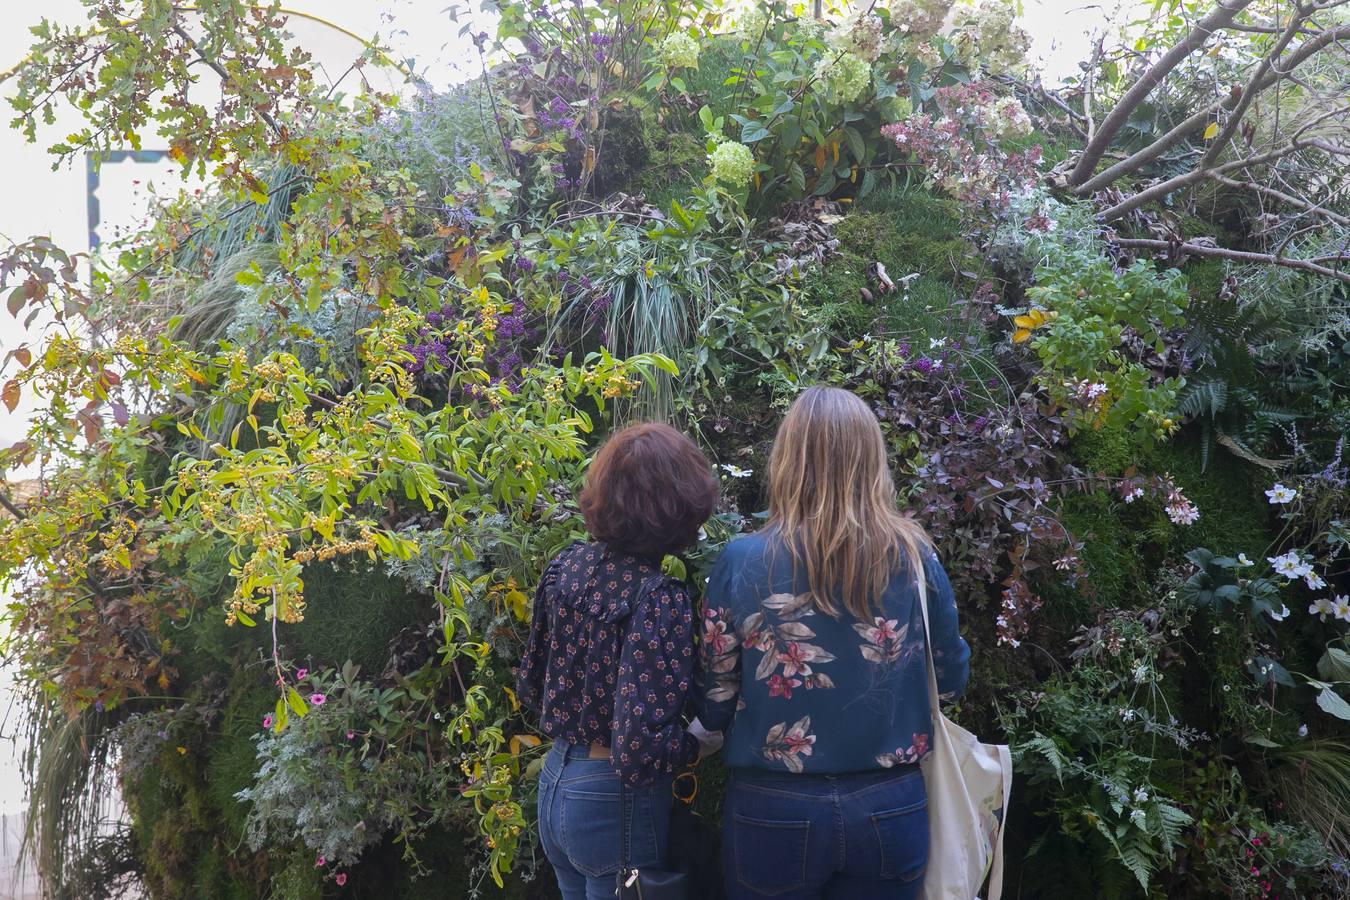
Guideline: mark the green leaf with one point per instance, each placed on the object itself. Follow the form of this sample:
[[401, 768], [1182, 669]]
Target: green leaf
[[296, 702], [1334, 665], [1332, 702]]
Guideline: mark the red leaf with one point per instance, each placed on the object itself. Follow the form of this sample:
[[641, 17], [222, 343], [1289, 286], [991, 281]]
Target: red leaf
[[10, 394], [24, 356]]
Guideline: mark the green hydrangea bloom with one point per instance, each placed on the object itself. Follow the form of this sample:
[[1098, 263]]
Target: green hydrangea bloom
[[844, 75], [732, 163], [679, 51]]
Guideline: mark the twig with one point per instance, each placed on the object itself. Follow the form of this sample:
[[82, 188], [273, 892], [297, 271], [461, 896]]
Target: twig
[[224, 76], [1236, 255], [1290, 199]]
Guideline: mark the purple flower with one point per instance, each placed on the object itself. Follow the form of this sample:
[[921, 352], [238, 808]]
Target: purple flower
[[923, 364], [435, 317], [903, 348], [317, 699]]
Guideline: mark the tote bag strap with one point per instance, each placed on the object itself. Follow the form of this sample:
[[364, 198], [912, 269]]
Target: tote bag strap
[[921, 581]]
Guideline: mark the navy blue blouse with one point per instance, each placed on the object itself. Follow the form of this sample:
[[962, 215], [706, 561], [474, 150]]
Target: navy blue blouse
[[799, 691], [602, 666]]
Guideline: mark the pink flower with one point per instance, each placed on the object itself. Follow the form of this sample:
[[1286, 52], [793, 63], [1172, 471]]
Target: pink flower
[[267, 720], [301, 673], [317, 699], [341, 879], [320, 862], [782, 687], [350, 735], [794, 660]]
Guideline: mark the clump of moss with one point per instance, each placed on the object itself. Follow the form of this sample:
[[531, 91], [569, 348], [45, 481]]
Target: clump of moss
[[353, 612]]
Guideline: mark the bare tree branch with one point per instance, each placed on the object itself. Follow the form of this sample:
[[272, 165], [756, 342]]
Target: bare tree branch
[[1177, 247], [1288, 199], [1220, 16], [1150, 153], [1251, 90], [1298, 142]]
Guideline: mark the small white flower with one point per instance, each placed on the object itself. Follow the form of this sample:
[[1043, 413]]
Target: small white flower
[[1141, 673], [736, 471], [1227, 688], [1314, 581], [1281, 615], [1140, 795], [1127, 715], [935, 343], [1321, 607], [1281, 494], [1286, 564], [1216, 629], [1340, 607], [1303, 731], [1137, 817], [1243, 560], [1183, 513], [1134, 495]]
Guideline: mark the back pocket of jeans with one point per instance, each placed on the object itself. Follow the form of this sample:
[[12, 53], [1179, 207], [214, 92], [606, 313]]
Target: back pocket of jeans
[[902, 839], [770, 857], [590, 830]]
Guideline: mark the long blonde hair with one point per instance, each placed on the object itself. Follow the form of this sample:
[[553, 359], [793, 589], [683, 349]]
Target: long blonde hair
[[833, 502]]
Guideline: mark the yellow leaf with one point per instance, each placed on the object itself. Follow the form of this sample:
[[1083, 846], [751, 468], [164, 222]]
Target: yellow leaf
[[1212, 131], [1025, 322], [515, 701], [1020, 335]]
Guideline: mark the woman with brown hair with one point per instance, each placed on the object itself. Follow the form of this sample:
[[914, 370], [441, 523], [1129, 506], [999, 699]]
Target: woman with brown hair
[[610, 659], [814, 663]]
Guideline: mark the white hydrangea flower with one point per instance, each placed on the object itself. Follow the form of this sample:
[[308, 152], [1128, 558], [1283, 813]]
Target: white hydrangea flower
[[859, 34], [986, 34], [1008, 120], [679, 51], [732, 163], [844, 75]]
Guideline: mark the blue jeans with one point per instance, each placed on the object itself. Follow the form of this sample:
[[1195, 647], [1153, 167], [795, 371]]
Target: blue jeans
[[804, 837], [579, 822]]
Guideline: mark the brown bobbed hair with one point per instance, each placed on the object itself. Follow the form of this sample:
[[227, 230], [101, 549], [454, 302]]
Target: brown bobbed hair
[[832, 499], [648, 491]]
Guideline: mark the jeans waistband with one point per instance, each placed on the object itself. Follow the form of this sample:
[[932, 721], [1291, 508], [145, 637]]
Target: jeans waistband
[[844, 780], [570, 751]]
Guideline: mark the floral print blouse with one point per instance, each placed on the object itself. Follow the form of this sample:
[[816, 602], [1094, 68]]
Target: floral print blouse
[[799, 691], [607, 662]]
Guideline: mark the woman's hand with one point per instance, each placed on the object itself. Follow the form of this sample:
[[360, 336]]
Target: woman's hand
[[709, 742]]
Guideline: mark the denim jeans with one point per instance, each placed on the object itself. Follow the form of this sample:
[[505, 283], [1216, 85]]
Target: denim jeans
[[579, 822], [801, 837]]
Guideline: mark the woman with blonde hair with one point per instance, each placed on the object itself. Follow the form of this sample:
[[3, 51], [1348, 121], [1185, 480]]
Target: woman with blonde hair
[[813, 662]]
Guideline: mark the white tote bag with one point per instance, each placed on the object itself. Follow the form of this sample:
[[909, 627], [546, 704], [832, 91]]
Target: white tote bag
[[969, 785]]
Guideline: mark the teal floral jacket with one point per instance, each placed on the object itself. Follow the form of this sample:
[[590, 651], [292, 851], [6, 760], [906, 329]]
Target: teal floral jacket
[[797, 690]]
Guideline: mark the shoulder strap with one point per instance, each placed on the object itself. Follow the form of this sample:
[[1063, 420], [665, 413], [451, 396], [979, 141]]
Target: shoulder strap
[[922, 582]]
